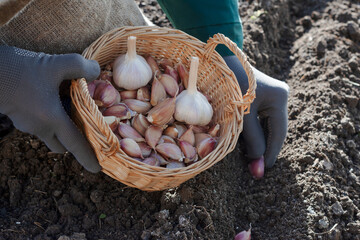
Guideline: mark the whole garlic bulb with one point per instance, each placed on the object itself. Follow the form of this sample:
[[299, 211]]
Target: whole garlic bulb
[[131, 71], [191, 105]]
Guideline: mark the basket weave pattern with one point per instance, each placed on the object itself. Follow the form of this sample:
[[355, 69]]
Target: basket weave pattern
[[215, 80]]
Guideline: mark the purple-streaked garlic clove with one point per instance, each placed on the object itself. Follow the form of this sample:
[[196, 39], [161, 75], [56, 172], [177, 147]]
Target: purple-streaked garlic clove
[[153, 65], [175, 164], [145, 149], [165, 62], [170, 151], [153, 135], [188, 136], [131, 148], [119, 110], [257, 167], [106, 95], [166, 139], [143, 94], [92, 86], [162, 113], [137, 105], [162, 160], [152, 161], [126, 131], [243, 235], [181, 128], [200, 136], [112, 121], [199, 129], [205, 147], [140, 123], [183, 74], [188, 150], [172, 72], [214, 130], [158, 93], [128, 94], [170, 84], [171, 131]]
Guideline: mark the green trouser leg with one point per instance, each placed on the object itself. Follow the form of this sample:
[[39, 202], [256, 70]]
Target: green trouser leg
[[204, 18]]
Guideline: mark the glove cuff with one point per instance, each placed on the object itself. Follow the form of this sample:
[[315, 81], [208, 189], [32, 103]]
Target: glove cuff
[[10, 75]]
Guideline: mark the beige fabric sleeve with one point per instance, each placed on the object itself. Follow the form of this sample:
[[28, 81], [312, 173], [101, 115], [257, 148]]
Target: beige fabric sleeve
[[9, 8], [64, 26]]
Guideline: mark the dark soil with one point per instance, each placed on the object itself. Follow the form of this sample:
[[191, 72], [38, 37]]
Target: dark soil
[[312, 192]]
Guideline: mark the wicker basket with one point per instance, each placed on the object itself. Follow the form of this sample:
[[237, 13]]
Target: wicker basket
[[215, 79]]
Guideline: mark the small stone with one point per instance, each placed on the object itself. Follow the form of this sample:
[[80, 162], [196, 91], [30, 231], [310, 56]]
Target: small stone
[[351, 144], [352, 101], [324, 223], [327, 165], [353, 31], [57, 193], [337, 209], [63, 238], [96, 196], [354, 63]]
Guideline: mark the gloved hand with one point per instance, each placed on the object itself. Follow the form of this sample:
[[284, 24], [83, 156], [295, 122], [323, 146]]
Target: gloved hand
[[270, 105], [29, 96]]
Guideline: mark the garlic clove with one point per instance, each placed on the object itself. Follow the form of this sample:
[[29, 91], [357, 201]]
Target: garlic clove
[[112, 121], [162, 113], [170, 151], [175, 164], [152, 161], [165, 62], [243, 235], [170, 84], [131, 71], [140, 123], [145, 149], [181, 128], [188, 136], [166, 139], [153, 65], [119, 110], [183, 74], [171, 131], [192, 107], [153, 135], [126, 131], [105, 95], [137, 105], [130, 147], [205, 147], [214, 130], [172, 72], [162, 160], [199, 137], [128, 94], [91, 87], [199, 129], [143, 94], [188, 150], [158, 92]]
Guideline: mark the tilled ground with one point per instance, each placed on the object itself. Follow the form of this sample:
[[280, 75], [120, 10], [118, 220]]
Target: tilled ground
[[311, 193]]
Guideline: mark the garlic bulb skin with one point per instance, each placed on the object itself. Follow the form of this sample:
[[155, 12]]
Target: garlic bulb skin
[[131, 71], [191, 106]]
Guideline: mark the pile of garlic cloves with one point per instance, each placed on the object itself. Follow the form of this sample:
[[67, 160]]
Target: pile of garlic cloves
[[161, 120]]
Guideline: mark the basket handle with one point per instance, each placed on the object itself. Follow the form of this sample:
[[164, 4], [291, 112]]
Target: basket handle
[[250, 95]]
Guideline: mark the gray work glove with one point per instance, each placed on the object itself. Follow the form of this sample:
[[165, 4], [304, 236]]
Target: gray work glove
[[269, 108], [29, 96]]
